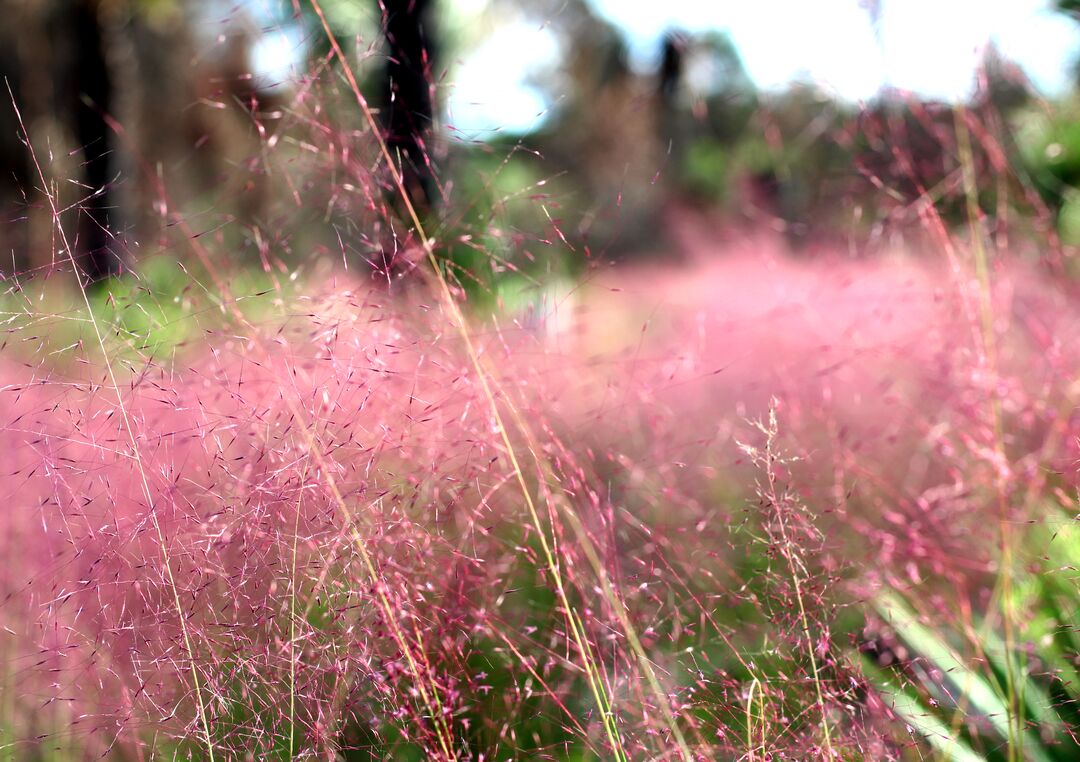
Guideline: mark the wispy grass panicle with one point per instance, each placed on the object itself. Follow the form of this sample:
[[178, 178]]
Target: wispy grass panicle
[[337, 479]]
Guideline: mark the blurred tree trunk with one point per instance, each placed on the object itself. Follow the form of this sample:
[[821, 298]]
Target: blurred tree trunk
[[187, 107], [64, 87], [14, 162], [669, 78], [90, 95], [28, 232], [408, 103], [669, 81], [63, 61]]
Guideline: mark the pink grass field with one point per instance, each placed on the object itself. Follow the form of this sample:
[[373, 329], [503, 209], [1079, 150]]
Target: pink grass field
[[314, 541]]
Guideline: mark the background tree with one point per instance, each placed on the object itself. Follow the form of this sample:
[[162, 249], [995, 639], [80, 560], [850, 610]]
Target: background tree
[[88, 95], [408, 93]]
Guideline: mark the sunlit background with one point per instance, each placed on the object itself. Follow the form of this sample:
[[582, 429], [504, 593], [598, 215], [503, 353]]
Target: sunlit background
[[503, 73], [625, 123]]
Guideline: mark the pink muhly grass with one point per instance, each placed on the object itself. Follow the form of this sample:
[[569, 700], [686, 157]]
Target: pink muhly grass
[[370, 523], [289, 628]]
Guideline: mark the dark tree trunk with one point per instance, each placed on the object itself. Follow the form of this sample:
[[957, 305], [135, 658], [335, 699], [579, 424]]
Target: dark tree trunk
[[671, 68], [15, 177], [92, 94], [408, 105]]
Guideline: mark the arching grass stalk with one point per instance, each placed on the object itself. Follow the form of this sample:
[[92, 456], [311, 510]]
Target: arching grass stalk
[[989, 357], [292, 616], [577, 633], [489, 385], [125, 419], [751, 747], [606, 586], [429, 696], [796, 566]]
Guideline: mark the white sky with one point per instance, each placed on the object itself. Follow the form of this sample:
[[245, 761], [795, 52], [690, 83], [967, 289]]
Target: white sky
[[490, 90], [930, 47]]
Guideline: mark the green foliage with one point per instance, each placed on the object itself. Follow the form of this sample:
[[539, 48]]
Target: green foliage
[[955, 692], [145, 316], [1071, 7], [499, 240], [1049, 146], [158, 316], [705, 168]]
